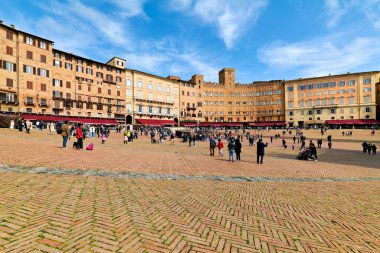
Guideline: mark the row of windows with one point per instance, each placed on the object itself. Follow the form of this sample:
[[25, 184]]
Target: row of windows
[[331, 101], [329, 92], [150, 96], [244, 103], [192, 94], [270, 111], [10, 66], [87, 63], [35, 42], [150, 86], [366, 80], [68, 113], [331, 111], [244, 94], [151, 109], [35, 71]]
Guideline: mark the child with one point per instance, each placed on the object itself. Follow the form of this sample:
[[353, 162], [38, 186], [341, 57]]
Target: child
[[220, 147], [104, 138]]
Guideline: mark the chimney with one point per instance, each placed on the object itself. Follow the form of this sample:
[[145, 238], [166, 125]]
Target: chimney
[[12, 26]]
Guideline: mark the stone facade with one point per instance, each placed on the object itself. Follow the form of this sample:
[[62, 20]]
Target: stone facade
[[228, 101], [38, 79], [312, 101], [151, 97]]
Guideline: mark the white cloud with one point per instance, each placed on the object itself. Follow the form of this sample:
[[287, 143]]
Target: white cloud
[[337, 9], [231, 18], [335, 12], [371, 9], [130, 8], [170, 55], [322, 56], [148, 62], [179, 5], [85, 29], [105, 24]]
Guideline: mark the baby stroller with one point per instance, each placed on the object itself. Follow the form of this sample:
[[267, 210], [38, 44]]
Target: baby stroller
[[303, 154]]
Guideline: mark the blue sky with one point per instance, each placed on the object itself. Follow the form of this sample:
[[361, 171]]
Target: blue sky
[[261, 39]]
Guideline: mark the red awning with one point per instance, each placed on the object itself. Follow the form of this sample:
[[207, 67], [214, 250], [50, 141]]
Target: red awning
[[353, 122], [268, 123], [70, 119], [220, 124], [188, 124], [156, 122]]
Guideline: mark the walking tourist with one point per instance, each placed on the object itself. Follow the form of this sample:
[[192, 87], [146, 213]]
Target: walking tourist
[[237, 149], [212, 145]]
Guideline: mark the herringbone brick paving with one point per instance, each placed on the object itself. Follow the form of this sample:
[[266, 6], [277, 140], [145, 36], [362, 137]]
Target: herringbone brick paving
[[81, 213], [46, 213], [39, 149]]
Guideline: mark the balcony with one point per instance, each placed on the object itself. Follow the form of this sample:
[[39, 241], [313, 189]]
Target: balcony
[[153, 101], [30, 103], [43, 105], [191, 108], [110, 81]]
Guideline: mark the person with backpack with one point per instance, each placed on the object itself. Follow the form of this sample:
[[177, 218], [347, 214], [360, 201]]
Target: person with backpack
[[212, 145], [237, 149], [231, 150]]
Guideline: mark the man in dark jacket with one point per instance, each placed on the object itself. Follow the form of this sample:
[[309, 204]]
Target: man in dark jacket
[[261, 150]]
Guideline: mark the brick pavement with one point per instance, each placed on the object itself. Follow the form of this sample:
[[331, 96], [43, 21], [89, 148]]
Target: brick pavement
[[81, 213], [40, 149], [96, 214]]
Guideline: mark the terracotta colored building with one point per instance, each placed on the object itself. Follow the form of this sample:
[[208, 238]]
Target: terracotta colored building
[[335, 100], [255, 104], [25, 71], [41, 82], [151, 99], [191, 110]]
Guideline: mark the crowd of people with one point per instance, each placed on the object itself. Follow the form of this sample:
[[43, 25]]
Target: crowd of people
[[232, 139]]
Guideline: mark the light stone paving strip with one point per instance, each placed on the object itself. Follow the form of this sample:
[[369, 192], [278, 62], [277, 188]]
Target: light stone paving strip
[[123, 174]]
